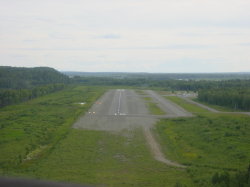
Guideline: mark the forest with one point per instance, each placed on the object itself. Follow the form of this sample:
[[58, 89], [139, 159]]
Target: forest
[[162, 76], [22, 84], [187, 85], [230, 97], [23, 78], [13, 96]]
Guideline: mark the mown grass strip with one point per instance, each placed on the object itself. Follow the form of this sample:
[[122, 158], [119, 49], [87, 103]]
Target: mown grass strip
[[153, 107]]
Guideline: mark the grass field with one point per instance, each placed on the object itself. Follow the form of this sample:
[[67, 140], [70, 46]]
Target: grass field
[[32, 128], [153, 107], [208, 143], [103, 158]]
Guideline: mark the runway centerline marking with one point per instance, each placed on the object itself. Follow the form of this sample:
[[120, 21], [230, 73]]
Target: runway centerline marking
[[119, 103]]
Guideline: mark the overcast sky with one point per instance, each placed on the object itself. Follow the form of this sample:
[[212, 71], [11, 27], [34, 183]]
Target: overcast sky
[[126, 35]]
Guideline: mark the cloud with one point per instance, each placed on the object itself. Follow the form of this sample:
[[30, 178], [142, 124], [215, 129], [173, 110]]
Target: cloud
[[29, 40], [118, 35], [60, 36], [17, 56], [180, 47], [245, 44], [109, 36], [167, 47]]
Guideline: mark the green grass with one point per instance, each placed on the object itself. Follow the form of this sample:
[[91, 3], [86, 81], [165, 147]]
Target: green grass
[[207, 143], [186, 105], [153, 107], [103, 158], [140, 92], [32, 128]]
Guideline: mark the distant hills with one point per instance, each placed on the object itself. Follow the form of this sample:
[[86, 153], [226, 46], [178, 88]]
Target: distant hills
[[20, 77]]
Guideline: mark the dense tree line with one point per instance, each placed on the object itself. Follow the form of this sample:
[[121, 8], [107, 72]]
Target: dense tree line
[[22, 84], [188, 85], [20, 78], [14, 96], [162, 76], [230, 97]]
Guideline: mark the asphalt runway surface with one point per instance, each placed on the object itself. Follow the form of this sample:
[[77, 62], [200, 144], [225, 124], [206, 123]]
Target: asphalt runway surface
[[115, 111]]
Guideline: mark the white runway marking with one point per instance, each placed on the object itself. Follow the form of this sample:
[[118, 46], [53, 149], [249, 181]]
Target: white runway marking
[[119, 102]]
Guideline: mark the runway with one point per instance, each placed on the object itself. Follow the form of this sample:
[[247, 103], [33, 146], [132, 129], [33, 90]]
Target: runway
[[125, 109], [117, 110]]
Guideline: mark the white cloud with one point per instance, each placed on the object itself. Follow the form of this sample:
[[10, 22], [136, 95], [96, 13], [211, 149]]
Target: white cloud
[[117, 35]]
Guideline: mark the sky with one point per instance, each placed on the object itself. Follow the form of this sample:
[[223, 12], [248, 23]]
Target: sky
[[165, 36]]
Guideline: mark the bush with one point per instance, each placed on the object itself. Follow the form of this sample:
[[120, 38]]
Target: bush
[[240, 179]]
